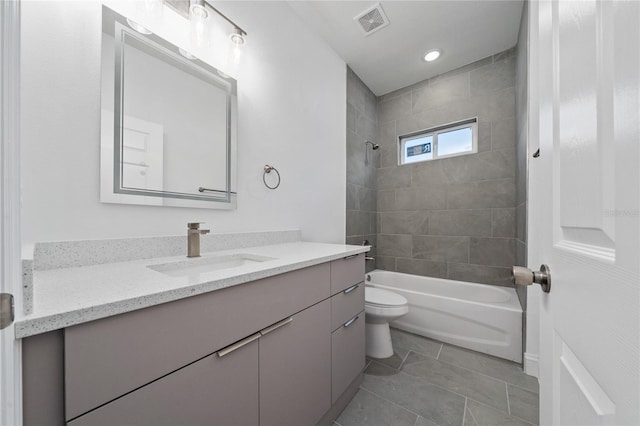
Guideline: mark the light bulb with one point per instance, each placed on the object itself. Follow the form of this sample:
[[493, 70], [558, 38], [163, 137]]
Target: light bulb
[[199, 24], [236, 37]]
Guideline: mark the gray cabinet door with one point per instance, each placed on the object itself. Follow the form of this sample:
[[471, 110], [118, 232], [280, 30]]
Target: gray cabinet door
[[348, 358], [212, 391], [295, 369]]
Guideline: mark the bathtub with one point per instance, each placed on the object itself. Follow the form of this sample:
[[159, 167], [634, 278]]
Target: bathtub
[[480, 317]]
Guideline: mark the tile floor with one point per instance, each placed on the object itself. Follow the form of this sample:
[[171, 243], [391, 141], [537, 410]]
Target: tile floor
[[429, 383]]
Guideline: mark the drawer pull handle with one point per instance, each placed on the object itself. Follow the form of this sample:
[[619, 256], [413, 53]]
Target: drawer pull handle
[[238, 345], [350, 257], [351, 321], [276, 326], [350, 289]]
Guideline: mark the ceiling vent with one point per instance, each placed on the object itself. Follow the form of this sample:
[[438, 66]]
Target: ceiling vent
[[372, 20]]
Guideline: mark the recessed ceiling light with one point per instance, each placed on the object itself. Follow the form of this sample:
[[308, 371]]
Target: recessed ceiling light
[[139, 28], [432, 55]]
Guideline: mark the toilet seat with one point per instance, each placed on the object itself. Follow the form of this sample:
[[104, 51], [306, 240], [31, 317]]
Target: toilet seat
[[377, 297]]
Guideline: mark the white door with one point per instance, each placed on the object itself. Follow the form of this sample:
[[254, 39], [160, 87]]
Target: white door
[[10, 270], [584, 208]]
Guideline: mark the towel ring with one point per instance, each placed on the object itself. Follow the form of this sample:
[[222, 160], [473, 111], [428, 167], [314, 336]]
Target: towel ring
[[268, 169]]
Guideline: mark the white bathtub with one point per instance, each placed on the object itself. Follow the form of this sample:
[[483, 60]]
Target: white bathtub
[[481, 317]]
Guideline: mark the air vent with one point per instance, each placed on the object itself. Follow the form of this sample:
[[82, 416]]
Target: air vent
[[372, 20]]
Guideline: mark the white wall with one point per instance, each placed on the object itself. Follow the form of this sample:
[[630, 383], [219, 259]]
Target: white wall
[[291, 96]]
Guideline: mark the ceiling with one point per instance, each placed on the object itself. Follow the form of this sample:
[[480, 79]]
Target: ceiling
[[391, 58]]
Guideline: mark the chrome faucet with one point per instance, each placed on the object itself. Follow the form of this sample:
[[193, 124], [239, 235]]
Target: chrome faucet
[[193, 238]]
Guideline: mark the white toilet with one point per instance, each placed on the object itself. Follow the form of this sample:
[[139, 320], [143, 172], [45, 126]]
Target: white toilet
[[380, 308]]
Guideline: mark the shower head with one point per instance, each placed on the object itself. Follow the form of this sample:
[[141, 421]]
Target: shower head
[[374, 146]]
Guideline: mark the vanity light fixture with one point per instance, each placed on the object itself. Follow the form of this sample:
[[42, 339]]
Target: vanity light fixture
[[432, 55], [198, 13], [139, 28]]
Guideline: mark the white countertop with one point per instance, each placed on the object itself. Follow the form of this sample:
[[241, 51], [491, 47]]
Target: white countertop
[[70, 296]]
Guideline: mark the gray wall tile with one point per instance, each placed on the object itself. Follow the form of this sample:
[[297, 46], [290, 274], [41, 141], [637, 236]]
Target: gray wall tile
[[352, 115], [366, 128], [503, 223], [492, 251], [491, 165], [394, 245], [425, 268], [475, 223], [483, 194], [394, 177], [394, 108], [404, 222], [493, 77], [429, 197], [386, 200], [441, 249], [387, 134], [443, 90], [503, 133], [484, 136], [352, 197], [358, 222], [480, 274], [521, 222], [389, 156], [387, 263]]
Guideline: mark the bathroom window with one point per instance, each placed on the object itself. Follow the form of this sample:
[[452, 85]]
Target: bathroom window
[[451, 140]]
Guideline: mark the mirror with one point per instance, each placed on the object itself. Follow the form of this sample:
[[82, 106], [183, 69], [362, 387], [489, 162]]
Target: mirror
[[168, 123]]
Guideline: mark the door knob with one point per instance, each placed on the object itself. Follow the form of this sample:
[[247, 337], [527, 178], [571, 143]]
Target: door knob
[[525, 276]]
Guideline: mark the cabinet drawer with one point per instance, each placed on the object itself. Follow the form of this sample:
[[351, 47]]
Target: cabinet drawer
[[346, 304], [347, 355], [346, 272], [214, 390], [107, 358]]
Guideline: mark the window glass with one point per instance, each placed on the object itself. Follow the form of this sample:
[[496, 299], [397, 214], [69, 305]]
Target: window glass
[[455, 142], [445, 141], [418, 149]]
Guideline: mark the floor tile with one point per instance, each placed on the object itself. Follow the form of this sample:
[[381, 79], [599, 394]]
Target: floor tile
[[393, 361], [497, 368], [459, 380], [524, 404], [417, 395], [376, 369], [421, 421], [404, 342], [480, 415], [368, 409]]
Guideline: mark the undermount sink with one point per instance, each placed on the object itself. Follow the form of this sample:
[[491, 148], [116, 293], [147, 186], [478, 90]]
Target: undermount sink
[[206, 264]]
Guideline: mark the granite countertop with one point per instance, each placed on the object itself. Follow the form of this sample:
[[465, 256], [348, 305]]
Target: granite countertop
[[73, 295]]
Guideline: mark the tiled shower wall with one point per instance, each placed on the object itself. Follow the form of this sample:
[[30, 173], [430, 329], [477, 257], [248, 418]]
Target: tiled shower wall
[[454, 217], [362, 163]]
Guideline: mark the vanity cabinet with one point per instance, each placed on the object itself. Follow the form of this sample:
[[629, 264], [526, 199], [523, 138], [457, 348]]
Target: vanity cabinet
[[277, 351]]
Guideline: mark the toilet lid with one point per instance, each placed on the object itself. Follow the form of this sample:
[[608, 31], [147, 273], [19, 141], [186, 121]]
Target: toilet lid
[[380, 297]]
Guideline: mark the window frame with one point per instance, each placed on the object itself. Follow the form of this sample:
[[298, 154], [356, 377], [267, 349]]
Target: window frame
[[434, 132]]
